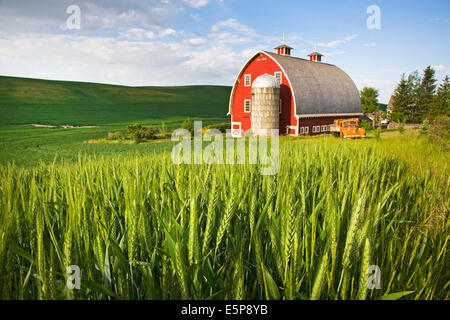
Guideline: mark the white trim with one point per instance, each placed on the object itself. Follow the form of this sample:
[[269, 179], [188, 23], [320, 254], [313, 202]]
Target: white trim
[[287, 78], [247, 77], [289, 128], [330, 115], [236, 132], [236, 82], [304, 130], [249, 105], [324, 126]]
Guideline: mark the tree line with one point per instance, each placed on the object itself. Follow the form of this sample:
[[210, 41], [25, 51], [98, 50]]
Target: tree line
[[418, 97]]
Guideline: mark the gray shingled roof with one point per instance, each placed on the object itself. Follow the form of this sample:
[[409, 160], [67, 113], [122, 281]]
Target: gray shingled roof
[[319, 89]]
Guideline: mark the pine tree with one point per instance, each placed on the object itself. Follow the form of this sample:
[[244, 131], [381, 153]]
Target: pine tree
[[426, 93], [441, 101], [401, 100], [414, 88]]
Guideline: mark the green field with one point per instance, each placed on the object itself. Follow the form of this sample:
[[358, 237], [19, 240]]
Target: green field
[[141, 227], [112, 108]]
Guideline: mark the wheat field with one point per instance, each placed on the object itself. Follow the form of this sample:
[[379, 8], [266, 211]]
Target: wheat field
[[144, 228]]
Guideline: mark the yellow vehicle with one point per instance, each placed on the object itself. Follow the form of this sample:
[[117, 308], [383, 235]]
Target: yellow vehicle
[[347, 128]]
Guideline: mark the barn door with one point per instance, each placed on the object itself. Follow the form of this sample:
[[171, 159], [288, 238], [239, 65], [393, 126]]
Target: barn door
[[236, 130]]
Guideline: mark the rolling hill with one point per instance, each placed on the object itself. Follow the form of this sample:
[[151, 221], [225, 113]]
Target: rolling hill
[[109, 107], [24, 101]]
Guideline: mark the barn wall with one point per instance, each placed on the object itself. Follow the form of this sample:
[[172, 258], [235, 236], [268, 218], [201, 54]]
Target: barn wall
[[310, 122], [258, 66]]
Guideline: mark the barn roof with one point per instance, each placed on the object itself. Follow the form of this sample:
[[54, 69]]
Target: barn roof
[[319, 89]]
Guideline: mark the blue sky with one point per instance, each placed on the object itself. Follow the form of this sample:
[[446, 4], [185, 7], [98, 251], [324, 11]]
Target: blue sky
[[181, 42]]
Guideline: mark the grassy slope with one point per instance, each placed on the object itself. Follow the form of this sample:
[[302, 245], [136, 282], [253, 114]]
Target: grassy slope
[[25, 101]]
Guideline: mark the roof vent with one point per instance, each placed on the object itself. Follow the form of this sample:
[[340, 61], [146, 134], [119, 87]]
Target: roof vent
[[284, 50], [315, 56]]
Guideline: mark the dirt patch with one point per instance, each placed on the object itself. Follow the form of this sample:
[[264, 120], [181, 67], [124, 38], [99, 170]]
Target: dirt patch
[[40, 125], [64, 126]]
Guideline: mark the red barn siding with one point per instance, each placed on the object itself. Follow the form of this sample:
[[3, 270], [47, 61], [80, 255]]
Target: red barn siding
[[310, 122], [258, 66]]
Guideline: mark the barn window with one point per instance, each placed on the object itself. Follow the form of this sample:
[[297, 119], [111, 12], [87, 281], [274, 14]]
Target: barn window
[[302, 130], [247, 104], [316, 129], [279, 77], [306, 130], [324, 128], [248, 80]]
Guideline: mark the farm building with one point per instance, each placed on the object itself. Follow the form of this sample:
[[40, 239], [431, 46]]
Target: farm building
[[296, 96]]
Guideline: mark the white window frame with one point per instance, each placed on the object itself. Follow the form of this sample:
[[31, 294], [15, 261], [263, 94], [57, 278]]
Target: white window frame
[[302, 130], [316, 129], [306, 130], [249, 105], [324, 128], [247, 80], [281, 76]]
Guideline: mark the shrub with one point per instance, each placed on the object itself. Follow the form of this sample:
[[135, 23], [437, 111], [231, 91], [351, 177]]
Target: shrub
[[401, 128], [377, 133], [150, 133], [425, 126], [164, 131], [139, 133], [116, 136], [188, 125], [222, 127], [439, 130], [366, 125]]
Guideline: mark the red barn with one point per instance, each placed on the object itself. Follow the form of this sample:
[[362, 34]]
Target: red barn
[[312, 93]]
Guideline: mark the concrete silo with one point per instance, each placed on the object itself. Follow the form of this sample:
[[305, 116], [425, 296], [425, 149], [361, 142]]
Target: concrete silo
[[265, 111]]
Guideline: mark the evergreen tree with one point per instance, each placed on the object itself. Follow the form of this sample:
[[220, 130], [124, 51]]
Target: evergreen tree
[[426, 93], [441, 101], [401, 100], [369, 99], [414, 92]]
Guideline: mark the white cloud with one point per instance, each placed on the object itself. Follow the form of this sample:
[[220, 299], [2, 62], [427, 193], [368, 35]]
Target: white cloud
[[231, 32], [117, 61], [137, 34], [47, 15], [196, 3], [168, 32], [336, 43], [232, 24], [195, 42], [440, 68]]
